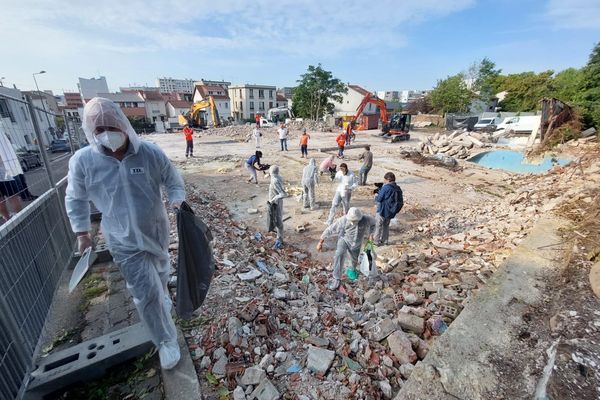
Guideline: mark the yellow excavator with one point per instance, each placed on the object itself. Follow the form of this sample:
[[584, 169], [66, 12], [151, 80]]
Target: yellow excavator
[[192, 118]]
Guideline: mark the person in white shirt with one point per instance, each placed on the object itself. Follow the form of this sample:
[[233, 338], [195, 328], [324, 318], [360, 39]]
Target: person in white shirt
[[343, 193], [257, 134], [283, 137]]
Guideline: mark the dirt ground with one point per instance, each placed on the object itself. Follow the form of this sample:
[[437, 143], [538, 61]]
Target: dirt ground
[[456, 227]]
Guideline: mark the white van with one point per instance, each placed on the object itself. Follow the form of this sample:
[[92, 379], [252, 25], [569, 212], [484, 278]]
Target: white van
[[487, 124], [265, 123], [520, 125]]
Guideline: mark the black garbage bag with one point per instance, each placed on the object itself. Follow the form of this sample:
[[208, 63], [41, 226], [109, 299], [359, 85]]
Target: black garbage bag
[[195, 262]]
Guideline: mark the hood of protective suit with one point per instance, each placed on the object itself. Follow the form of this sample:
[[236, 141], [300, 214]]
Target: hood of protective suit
[[274, 170], [103, 112], [354, 215]]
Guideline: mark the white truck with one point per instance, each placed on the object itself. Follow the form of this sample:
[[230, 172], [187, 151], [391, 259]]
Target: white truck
[[519, 125], [487, 124]]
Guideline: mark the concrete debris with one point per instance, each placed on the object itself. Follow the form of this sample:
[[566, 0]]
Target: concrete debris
[[411, 322], [401, 347], [265, 391], [458, 144], [238, 394], [253, 376], [319, 360]]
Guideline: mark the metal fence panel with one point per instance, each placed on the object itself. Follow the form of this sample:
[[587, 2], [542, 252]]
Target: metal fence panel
[[35, 246]]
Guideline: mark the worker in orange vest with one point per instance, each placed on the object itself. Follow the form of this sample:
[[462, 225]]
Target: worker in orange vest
[[257, 119], [341, 142], [189, 140]]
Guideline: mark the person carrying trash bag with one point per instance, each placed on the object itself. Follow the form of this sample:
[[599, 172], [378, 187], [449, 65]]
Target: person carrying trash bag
[[351, 230], [195, 261], [123, 176], [275, 203], [310, 178]]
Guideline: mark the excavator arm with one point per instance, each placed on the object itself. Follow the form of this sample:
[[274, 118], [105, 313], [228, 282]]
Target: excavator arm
[[370, 99], [198, 106]]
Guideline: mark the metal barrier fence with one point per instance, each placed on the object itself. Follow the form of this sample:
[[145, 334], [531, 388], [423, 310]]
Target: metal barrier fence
[[35, 245], [36, 242]]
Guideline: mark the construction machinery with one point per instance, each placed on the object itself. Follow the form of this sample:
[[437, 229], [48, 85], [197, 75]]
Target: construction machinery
[[193, 119], [396, 125], [278, 114]]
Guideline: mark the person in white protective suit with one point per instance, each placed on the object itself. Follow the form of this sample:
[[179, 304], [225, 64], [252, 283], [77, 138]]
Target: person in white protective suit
[[123, 176], [343, 192], [351, 231], [276, 194], [310, 177]]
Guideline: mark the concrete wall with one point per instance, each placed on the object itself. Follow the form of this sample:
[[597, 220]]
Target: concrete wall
[[350, 103], [90, 88]]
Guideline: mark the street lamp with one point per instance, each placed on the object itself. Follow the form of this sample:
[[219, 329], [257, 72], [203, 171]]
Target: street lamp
[[42, 100]]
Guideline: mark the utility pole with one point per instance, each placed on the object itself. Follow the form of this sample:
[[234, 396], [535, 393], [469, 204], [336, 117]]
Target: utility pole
[[50, 129], [38, 135]]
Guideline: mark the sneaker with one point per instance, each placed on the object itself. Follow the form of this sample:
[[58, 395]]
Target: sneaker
[[333, 284], [169, 355]]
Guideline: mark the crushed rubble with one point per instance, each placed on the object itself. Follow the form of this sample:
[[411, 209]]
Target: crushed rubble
[[270, 328], [458, 144]]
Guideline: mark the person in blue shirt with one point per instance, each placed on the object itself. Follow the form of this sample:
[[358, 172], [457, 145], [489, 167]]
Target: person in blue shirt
[[389, 203], [253, 165]]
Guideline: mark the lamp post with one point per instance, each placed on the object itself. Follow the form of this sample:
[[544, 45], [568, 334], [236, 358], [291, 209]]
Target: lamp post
[[42, 100]]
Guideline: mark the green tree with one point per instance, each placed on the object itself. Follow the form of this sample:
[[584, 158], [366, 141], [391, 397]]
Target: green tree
[[451, 95], [525, 90], [566, 84], [315, 91], [589, 89]]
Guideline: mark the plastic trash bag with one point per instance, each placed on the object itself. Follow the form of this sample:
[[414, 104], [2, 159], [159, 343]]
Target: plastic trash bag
[[367, 260], [195, 262]]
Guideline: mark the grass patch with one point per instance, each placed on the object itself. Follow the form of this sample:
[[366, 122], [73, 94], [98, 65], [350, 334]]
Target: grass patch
[[93, 286], [92, 292], [192, 323]]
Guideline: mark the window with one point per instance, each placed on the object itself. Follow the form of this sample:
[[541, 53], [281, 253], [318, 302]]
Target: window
[[270, 104], [252, 105], [226, 105], [24, 113], [261, 105], [261, 94], [5, 110], [27, 140], [241, 106], [270, 94], [240, 93], [251, 93]]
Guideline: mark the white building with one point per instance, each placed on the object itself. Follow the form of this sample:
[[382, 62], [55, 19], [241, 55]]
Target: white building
[[249, 100], [206, 82], [16, 121], [175, 108], [221, 97], [392, 95], [408, 96], [350, 102], [89, 88], [170, 85]]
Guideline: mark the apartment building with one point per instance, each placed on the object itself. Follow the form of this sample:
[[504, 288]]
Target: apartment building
[[249, 100], [132, 103], [169, 85], [221, 97]]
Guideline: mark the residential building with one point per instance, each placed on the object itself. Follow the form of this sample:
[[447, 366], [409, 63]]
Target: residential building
[[90, 88], [350, 102], [73, 100], [16, 121], [167, 85], [132, 88], [44, 113], [392, 95], [249, 100], [408, 96], [221, 97], [286, 92], [281, 101], [205, 82], [154, 102], [132, 103]]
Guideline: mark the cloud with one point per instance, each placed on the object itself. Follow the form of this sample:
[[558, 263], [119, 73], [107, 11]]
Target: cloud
[[574, 14]]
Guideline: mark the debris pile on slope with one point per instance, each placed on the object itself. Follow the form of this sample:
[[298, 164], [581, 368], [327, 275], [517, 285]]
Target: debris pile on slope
[[458, 144], [309, 125], [270, 329]]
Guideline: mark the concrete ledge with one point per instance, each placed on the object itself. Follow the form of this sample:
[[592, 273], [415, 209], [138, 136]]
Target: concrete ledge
[[88, 360], [181, 383], [471, 360]]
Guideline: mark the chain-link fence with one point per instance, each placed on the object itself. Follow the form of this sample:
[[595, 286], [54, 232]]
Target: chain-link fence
[[36, 242]]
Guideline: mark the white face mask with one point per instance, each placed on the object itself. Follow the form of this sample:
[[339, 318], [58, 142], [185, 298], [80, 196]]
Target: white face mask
[[111, 139]]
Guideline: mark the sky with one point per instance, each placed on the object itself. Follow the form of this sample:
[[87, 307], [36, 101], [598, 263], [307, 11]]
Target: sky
[[380, 45]]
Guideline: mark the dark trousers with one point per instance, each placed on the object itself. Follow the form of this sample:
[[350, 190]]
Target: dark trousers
[[189, 149], [304, 149]]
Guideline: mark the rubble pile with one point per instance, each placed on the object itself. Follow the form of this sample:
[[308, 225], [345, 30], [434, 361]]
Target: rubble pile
[[458, 144], [309, 125], [270, 329]]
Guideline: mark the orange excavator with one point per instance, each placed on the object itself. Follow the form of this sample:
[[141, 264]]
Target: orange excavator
[[396, 125]]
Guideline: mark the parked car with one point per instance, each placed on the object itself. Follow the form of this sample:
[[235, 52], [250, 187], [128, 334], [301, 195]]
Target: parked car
[[487, 124], [28, 159], [59, 145], [520, 125]]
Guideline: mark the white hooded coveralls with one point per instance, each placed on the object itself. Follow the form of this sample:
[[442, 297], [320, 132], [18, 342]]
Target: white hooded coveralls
[[134, 218]]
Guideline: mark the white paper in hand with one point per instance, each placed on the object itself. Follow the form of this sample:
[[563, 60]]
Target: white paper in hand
[[85, 262]]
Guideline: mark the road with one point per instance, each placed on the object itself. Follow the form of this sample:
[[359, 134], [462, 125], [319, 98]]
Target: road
[[37, 179]]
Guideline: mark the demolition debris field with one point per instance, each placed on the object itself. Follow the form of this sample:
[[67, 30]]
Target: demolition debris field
[[269, 326]]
